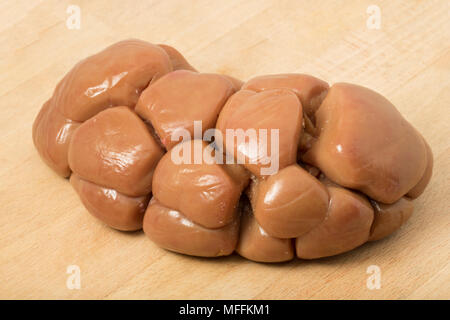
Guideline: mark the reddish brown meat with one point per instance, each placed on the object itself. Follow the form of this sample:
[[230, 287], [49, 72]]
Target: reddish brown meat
[[346, 227], [114, 149], [290, 203], [338, 167], [257, 245], [278, 110], [115, 76], [366, 144], [112, 207], [205, 193], [171, 230], [181, 97]]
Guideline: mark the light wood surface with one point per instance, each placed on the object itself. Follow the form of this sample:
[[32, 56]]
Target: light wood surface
[[44, 228]]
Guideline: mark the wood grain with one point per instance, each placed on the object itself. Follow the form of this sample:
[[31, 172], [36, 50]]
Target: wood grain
[[44, 228]]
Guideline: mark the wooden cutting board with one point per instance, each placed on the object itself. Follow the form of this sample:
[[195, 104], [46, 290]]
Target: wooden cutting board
[[44, 229]]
